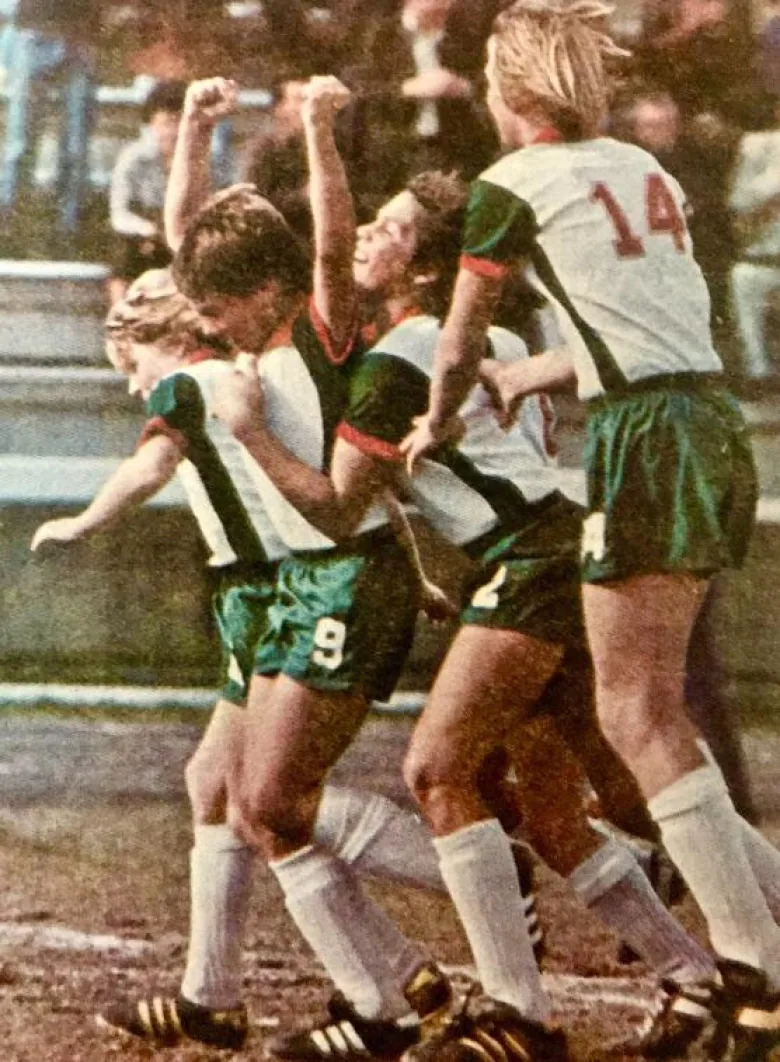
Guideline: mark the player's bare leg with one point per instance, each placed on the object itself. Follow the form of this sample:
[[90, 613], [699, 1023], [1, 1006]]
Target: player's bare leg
[[489, 679], [639, 631]]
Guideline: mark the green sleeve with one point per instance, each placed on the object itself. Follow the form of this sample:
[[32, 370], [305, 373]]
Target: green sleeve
[[177, 400], [499, 226], [385, 393]]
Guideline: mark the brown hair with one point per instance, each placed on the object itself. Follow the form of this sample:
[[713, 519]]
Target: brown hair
[[550, 55], [236, 244], [443, 197]]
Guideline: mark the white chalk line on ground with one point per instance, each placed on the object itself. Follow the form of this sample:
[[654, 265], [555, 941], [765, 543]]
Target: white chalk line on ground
[[619, 992]]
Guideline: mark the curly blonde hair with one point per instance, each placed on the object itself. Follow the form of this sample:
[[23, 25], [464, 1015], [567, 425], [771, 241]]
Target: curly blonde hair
[[550, 55], [152, 310]]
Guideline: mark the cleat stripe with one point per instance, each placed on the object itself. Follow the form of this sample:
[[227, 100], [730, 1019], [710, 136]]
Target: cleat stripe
[[474, 1045], [145, 1017], [174, 1021], [321, 1042], [492, 1044], [754, 1018], [159, 1015], [517, 1047], [352, 1037]]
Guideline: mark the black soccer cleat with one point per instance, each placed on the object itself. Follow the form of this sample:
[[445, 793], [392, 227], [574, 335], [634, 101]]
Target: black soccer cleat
[[747, 1015], [344, 1035], [167, 1020], [686, 1016], [486, 1030]]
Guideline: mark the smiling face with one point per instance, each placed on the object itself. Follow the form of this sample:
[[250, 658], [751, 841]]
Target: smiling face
[[386, 245]]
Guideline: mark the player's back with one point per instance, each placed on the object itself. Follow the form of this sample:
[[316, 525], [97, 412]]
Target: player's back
[[613, 253]]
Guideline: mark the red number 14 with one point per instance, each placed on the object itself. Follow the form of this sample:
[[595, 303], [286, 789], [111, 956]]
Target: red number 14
[[663, 216]]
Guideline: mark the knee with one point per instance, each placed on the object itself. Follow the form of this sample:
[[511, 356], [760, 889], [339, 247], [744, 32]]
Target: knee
[[630, 714], [207, 790], [272, 807]]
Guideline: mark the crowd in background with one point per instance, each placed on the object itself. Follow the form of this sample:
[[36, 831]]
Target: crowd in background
[[700, 89]]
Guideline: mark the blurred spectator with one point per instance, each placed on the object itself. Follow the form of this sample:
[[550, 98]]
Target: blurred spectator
[[277, 161], [769, 50], [138, 185], [700, 153], [47, 44], [416, 96], [755, 201], [692, 48]]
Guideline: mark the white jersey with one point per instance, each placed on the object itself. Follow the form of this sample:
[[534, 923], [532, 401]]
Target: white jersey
[[602, 227], [215, 471], [493, 477]]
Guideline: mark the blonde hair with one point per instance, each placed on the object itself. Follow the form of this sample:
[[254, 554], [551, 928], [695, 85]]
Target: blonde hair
[[152, 310], [550, 55]]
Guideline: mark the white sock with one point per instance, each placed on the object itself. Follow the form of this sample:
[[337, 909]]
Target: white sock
[[220, 887], [375, 836], [764, 861], [325, 902], [763, 857], [477, 865], [613, 885], [703, 834]]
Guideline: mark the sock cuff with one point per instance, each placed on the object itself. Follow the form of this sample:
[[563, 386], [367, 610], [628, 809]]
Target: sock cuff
[[306, 871], [602, 871], [464, 839], [218, 838], [688, 792]]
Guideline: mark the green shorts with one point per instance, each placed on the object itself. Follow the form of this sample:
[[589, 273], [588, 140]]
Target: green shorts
[[529, 580], [343, 619], [240, 606], [671, 481]]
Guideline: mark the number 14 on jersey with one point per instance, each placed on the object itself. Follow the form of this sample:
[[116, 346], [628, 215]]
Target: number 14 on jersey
[[662, 215]]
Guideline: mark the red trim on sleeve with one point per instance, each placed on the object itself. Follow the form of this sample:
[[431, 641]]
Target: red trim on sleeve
[[483, 267], [335, 357], [368, 444], [160, 426]]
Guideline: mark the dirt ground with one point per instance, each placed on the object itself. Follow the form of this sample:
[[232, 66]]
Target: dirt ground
[[94, 895]]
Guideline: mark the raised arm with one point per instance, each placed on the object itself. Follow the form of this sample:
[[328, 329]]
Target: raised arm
[[332, 209], [138, 478], [189, 183]]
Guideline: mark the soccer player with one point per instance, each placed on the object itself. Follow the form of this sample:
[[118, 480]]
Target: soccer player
[[498, 495], [671, 481]]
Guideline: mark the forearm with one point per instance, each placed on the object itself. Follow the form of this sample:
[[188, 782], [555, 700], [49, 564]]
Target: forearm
[[135, 481], [189, 183], [548, 372], [333, 216], [311, 493], [456, 369]]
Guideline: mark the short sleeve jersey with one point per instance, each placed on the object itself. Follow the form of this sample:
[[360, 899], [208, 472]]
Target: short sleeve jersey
[[229, 509], [602, 227], [306, 391], [492, 477]]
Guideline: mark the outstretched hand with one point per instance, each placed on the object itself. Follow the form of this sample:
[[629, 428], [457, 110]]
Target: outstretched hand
[[66, 529]]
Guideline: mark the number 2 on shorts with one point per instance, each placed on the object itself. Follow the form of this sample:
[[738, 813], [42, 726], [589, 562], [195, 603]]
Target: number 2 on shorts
[[487, 595], [329, 638]]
